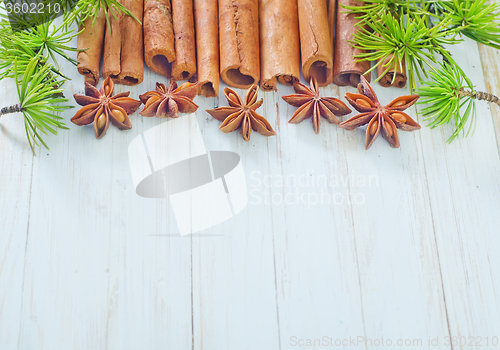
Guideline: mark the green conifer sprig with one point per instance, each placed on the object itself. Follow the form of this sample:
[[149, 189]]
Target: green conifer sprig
[[30, 46], [451, 97], [419, 32], [40, 99], [442, 93], [49, 40], [376, 8], [91, 8], [408, 38], [45, 41], [475, 19]]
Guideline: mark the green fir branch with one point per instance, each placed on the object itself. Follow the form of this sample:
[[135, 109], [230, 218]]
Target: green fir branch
[[49, 41], [91, 8], [40, 98], [406, 38], [370, 9], [45, 41], [475, 19], [449, 101]]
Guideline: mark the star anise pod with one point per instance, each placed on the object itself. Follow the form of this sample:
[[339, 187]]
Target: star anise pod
[[242, 114], [312, 105], [101, 107], [385, 119], [169, 102]]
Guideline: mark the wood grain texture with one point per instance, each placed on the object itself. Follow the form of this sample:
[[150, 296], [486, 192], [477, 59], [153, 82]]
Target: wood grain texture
[[234, 300], [490, 59], [336, 241], [317, 272], [464, 194], [491, 73], [394, 237], [16, 167]]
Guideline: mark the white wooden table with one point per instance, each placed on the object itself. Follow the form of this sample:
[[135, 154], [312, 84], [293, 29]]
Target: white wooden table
[[406, 252]]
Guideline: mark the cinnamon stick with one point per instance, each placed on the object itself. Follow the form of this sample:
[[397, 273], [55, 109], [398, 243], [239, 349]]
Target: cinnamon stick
[[239, 42], [346, 71], [207, 46], [123, 46], [91, 39], [332, 10], [159, 50], [132, 72], [279, 43], [315, 40], [184, 65], [387, 79], [111, 63]]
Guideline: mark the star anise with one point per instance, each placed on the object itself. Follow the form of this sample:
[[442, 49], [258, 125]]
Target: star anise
[[242, 114], [169, 102], [312, 105], [101, 107], [380, 118]]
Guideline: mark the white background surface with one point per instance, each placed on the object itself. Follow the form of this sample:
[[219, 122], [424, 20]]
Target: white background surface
[[408, 250]]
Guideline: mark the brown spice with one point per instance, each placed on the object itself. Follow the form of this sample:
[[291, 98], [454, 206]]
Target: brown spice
[[91, 40], [346, 71], [242, 114], [159, 51], [380, 119], [279, 43], [164, 103], [310, 104], [101, 107], [315, 40], [184, 66], [123, 46], [388, 78], [239, 42], [207, 46]]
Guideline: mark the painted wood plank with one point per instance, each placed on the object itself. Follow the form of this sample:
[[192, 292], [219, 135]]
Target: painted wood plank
[[370, 211], [150, 285], [66, 291], [315, 252], [464, 190], [405, 249], [100, 271], [16, 167], [491, 73], [234, 300], [400, 277]]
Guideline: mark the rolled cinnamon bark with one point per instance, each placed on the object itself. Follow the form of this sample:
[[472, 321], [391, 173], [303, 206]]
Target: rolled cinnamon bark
[[91, 39], [386, 80], [239, 42], [159, 50], [279, 43], [332, 10], [111, 63], [132, 72], [123, 46], [207, 46], [315, 40], [184, 65], [345, 70]]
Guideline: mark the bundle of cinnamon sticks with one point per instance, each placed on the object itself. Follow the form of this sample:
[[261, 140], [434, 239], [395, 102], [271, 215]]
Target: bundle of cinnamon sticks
[[119, 42], [244, 42]]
